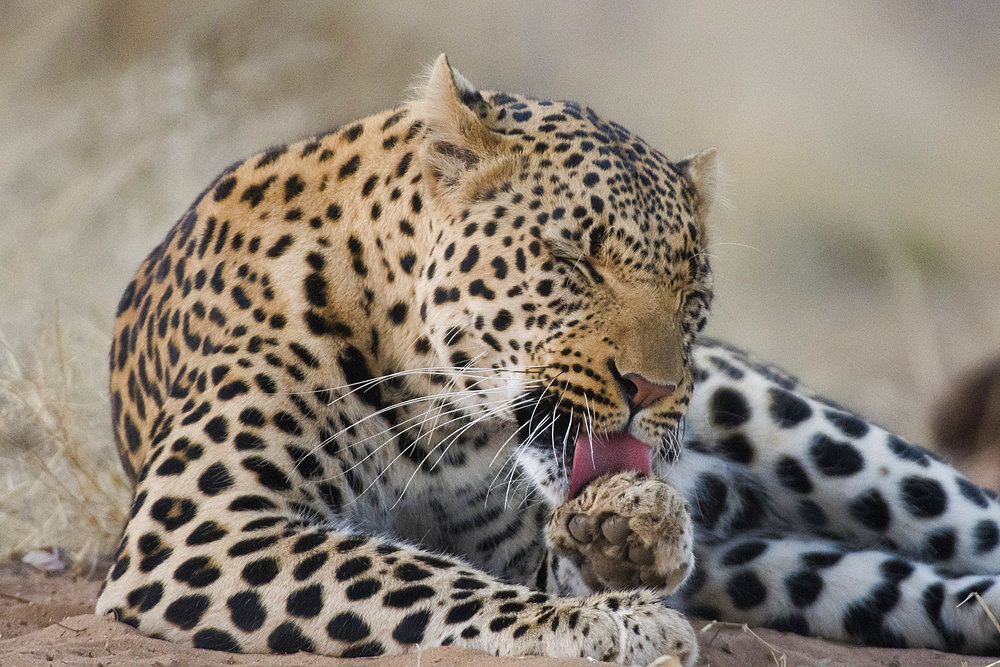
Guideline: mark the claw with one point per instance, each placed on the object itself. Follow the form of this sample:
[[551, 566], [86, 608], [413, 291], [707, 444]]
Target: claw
[[615, 529], [581, 527]]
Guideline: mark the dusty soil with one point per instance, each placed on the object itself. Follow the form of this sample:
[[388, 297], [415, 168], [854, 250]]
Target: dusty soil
[[48, 619]]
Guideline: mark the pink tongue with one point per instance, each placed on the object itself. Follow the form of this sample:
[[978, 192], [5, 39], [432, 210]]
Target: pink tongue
[[616, 452]]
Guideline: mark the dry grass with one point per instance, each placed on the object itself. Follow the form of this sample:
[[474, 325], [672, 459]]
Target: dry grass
[[61, 484], [779, 657]]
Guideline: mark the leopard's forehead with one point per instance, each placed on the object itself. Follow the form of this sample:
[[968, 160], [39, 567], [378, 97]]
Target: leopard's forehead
[[621, 193]]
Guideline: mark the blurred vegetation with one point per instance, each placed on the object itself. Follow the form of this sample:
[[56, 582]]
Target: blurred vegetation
[[859, 249]]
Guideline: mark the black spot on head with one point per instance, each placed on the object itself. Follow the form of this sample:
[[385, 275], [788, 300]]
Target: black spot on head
[[406, 262], [351, 543], [314, 287], [349, 167], [404, 165], [326, 326], [470, 259], [280, 246], [293, 187], [255, 193], [270, 156], [353, 132], [224, 188], [398, 312]]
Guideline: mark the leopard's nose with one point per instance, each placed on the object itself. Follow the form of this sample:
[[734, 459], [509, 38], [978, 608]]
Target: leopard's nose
[[643, 393]]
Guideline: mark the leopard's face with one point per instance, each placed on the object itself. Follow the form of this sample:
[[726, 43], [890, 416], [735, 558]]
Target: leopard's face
[[565, 272]]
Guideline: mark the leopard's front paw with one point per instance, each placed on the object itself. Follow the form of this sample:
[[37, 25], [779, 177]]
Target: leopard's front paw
[[641, 629], [624, 531]]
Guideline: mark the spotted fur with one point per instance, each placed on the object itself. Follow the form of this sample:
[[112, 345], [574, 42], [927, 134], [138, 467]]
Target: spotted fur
[[349, 382]]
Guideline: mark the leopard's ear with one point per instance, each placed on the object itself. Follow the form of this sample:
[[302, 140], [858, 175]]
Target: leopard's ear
[[458, 150], [701, 169]]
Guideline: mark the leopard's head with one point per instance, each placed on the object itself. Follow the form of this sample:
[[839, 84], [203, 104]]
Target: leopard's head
[[568, 275]]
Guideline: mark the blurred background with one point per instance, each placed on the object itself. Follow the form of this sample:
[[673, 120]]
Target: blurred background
[[859, 246]]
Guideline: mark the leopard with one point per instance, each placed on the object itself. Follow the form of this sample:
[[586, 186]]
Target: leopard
[[437, 377]]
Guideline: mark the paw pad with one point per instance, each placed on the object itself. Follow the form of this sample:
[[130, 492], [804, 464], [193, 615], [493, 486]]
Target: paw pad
[[625, 531]]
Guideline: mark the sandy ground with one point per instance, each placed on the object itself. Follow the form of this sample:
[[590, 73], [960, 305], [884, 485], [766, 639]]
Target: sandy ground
[[47, 619]]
